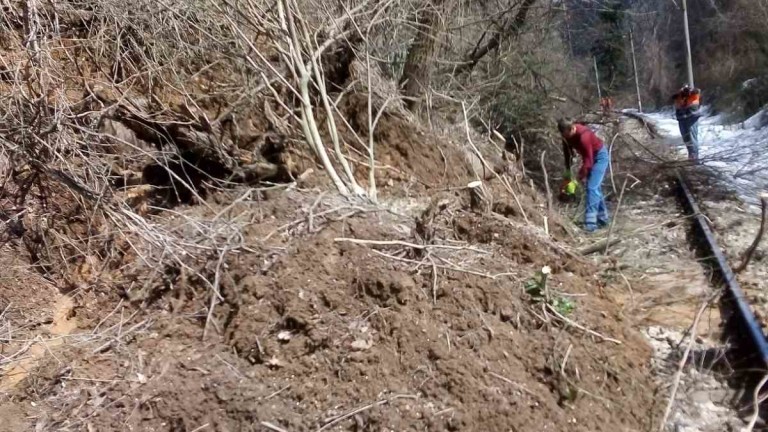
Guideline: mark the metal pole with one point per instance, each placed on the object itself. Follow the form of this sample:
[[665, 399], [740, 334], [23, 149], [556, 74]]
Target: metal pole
[[634, 67], [597, 79], [688, 44]]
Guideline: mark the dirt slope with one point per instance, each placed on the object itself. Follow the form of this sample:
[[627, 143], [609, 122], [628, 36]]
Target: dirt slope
[[317, 333], [218, 282]]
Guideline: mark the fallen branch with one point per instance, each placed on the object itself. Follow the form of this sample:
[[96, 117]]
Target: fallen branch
[[435, 285], [596, 247], [509, 30], [751, 251], [406, 244], [451, 266], [610, 161], [518, 386], [649, 126], [322, 213]]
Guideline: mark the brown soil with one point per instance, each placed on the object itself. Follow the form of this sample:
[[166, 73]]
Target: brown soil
[[62, 325], [31, 323], [327, 328], [296, 327]]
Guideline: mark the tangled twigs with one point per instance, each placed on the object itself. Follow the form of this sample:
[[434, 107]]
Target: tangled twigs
[[748, 254], [756, 401], [353, 210], [307, 71], [615, 216], [683, 361], [406, 244]]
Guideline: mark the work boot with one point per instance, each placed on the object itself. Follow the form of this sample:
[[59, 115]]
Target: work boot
[[590, 228], [603, 223]]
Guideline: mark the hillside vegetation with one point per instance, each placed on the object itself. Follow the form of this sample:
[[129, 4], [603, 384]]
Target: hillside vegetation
[[256, 215]]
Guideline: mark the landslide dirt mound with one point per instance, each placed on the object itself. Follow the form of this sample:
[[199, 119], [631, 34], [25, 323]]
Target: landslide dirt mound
[[314, 332], [218, 285]]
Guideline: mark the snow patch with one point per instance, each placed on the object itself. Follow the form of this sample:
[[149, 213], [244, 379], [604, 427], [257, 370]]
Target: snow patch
[[758, 120], [739, 151]]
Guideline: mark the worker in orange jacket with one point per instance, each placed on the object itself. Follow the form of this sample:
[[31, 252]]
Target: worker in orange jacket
[[606, 104], [687, 111]]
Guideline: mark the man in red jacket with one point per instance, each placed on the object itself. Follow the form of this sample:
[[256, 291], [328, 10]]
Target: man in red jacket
[[594, 158]]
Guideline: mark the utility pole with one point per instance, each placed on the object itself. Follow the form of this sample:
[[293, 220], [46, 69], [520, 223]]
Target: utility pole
[[597, 79], [688, 44], [634, 67]]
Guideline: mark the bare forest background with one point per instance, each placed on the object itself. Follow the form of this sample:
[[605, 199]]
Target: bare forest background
[[728, 39]]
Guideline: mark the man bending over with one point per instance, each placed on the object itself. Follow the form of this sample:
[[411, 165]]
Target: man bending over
[[594, 158]]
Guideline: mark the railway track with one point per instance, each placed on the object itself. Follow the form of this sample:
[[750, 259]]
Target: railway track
[[737, 314]]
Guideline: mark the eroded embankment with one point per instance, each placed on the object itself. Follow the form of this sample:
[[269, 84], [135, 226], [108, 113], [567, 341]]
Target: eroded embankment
[[414, 314], [338, 320]]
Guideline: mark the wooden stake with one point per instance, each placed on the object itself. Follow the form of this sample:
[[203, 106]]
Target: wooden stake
[[477, 197], [546, 183], [615, 216]]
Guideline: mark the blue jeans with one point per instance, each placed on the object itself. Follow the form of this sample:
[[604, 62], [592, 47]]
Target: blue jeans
[[596, 213], [689, 129]]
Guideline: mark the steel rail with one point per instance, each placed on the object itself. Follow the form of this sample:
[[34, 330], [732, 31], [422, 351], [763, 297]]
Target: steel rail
[[743, 311]]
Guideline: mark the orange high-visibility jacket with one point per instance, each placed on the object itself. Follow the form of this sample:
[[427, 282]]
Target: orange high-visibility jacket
[[687, 106]]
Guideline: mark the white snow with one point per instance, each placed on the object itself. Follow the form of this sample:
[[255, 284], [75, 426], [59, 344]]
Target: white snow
[[739, 151]]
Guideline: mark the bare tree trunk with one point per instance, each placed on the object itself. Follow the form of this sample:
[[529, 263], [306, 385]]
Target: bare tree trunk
[[31, 27], [417, 70], [510, 29]]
